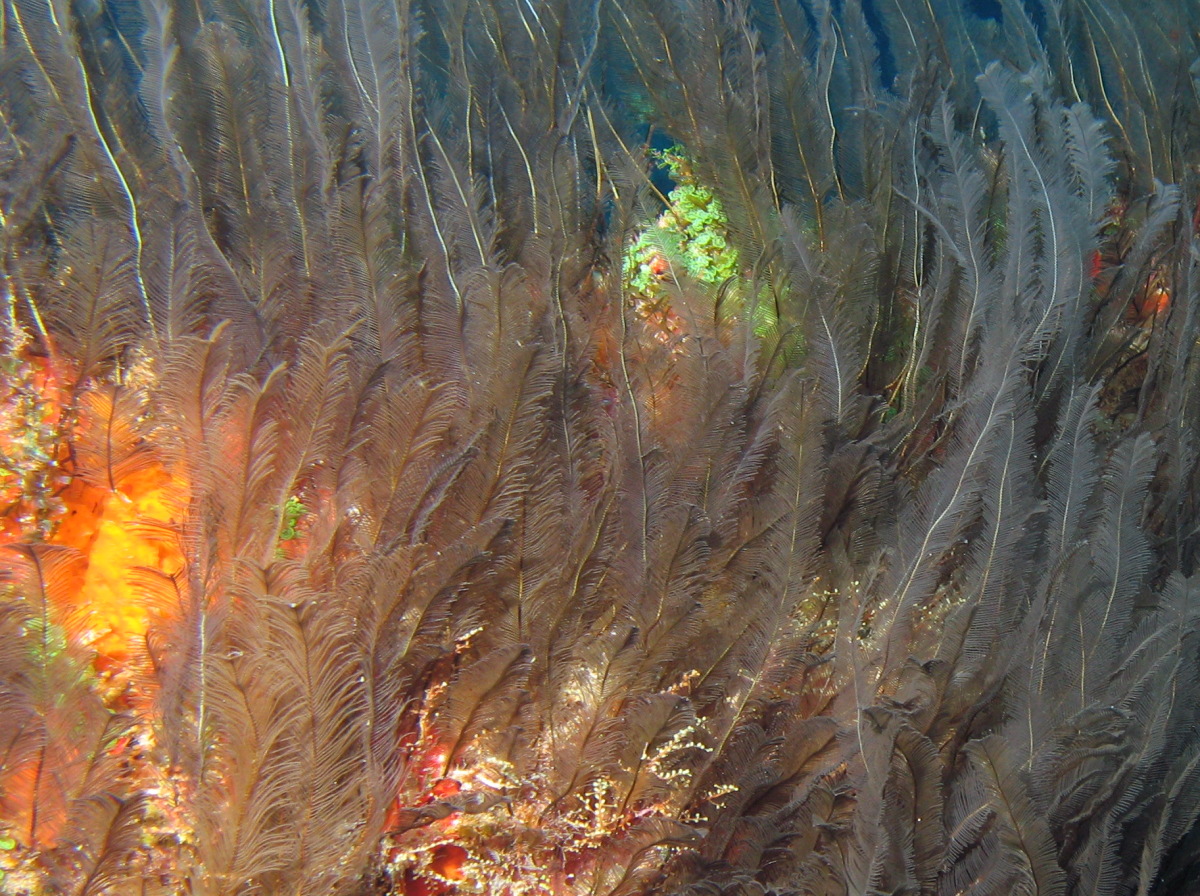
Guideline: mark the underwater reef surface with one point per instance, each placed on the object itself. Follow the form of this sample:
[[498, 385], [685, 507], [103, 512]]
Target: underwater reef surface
[[609, 447]]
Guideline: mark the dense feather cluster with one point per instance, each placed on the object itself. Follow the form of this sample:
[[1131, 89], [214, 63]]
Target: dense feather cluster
[[378, 542]]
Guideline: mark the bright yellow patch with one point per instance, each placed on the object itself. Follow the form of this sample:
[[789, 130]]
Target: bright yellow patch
[[121, 532]]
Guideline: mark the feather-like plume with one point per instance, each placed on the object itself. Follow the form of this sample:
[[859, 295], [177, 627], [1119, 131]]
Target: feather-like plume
[[417, 481]]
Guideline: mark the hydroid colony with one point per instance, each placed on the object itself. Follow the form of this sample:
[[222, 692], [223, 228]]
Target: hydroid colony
[[396, 502]]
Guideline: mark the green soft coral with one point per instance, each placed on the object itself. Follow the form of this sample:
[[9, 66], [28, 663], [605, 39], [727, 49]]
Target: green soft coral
[[691, 238], [293, 509], [693, 231]]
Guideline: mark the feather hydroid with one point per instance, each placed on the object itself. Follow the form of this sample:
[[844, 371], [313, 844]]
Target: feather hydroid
[[393, 501]]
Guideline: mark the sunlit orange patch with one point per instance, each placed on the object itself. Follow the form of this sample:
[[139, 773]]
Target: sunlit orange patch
[[1159, 300], [445, 788], [448, 860], [1155, 302], [119, 532], [415, 885]]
